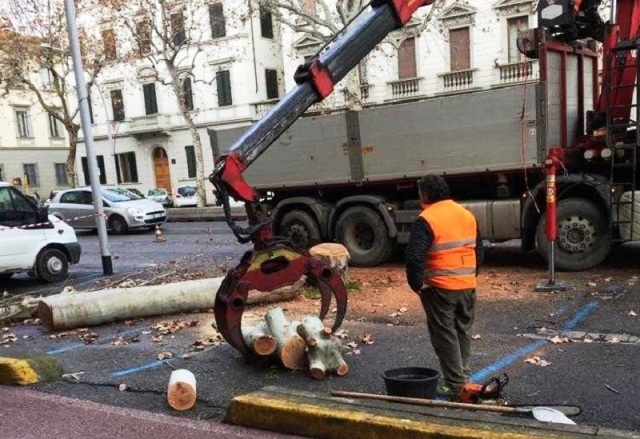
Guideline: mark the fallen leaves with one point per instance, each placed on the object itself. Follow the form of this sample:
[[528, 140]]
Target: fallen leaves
[[342, 334], [403, 309], [165, 355], [537, 361], [125, 340], [367, 339], [476, 337], [558, 339], [123, 387], [632, 313], [200, 345], [173, 326]]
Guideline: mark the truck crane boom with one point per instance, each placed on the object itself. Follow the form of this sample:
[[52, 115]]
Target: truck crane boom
[[274, 263]]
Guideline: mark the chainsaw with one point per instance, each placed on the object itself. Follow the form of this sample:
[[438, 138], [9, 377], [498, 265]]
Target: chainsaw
[[490, 392]]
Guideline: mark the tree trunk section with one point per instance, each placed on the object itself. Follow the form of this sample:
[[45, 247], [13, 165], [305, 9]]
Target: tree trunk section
[[181, 393], [291, 349], [325, 351], [258, 339], [67, 311], [334, 255]]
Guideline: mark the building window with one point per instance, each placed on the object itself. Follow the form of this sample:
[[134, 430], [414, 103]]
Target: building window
[[223, 79], [31, 174], [109, 42], [217, 21], [143, 30], [128, 168], [117, 105], [266, 23], [514, 26], [150, 102], [459, 46], [61, 174], [407, 59], [187, 93], [90, 105], [191, 161], [271, 79], [24, 123], [54, 127], [1, 172], [177, 29], [85, 170]]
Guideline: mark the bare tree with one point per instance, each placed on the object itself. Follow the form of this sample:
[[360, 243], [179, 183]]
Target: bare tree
[[169, 35], [34, 57]]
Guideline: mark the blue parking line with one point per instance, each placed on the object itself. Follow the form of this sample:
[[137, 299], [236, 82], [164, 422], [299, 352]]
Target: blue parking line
[[151, 365], [507, 360], [73, 346]]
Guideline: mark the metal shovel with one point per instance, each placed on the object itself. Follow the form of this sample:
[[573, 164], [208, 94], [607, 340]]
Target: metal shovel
[[544, 414]]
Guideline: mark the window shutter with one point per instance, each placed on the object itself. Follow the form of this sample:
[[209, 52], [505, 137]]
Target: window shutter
[[116, 159], [191, 161], [177, 29], [85, 171], [223, 81], [117, 105], [271, 79], [459, 42], [133, 167], [217, 20], [407, 59], [103, 174], [187, 92], [150, 103], [266, 23]]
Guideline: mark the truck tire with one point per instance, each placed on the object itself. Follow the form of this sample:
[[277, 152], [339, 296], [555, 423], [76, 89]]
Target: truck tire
[[52, 265], [583, 235], [300, 228], [118, 225], [364, 233]]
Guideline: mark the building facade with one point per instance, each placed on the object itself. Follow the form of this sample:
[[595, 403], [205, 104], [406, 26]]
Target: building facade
[[245, 62], [33, 144]]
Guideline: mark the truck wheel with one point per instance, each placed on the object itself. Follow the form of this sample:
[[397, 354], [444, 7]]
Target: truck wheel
[[583, 235], [364, 233], [118, 225], [52, 265], [300, 227]]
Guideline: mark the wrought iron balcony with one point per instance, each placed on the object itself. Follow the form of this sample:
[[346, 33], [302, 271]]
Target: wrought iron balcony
[[460, 80]]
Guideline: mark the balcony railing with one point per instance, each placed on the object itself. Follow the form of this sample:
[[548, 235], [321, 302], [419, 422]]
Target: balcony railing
[[460, 80], [153, 123], [518, 72], [364, 94], [405, 88], [262, 108]]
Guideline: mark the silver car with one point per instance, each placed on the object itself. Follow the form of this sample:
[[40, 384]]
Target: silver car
[[124, 210]]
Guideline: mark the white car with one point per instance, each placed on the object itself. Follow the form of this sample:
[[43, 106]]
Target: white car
[[125, 210], [31, 241], [185, 196]]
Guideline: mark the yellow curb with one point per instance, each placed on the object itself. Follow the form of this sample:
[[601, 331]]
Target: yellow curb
[[295, 417], [25, 371]]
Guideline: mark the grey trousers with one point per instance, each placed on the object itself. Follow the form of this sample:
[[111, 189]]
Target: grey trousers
[[450, 316]]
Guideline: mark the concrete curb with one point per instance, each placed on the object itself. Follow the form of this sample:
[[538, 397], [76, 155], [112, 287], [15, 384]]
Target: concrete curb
[[25, 371], [321, 416], [184, 214]]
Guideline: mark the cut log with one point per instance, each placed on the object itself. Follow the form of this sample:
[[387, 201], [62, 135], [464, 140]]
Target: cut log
[[325, 351], [68, 311], [291, 350], [181, 393], [258, 339], [334, 255]]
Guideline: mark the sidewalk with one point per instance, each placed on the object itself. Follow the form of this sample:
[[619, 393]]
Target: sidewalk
[[209, 213], [27, 414]]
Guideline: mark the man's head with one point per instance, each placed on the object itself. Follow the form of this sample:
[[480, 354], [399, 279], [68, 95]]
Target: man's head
[[432, 189]]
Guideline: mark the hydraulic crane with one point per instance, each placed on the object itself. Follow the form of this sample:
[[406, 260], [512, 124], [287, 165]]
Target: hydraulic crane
[[274, 262]]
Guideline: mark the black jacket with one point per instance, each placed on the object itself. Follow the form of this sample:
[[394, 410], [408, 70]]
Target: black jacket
[[420, 241]]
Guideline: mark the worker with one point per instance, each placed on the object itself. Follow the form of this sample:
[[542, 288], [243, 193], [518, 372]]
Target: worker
[[442, 259]]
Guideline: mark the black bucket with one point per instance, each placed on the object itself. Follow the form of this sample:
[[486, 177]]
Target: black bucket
[[412, 382]]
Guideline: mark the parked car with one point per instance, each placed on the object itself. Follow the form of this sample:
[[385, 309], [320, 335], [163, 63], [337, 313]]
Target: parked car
[[185, 196], [44, 251], [160, 195], [125, 211]]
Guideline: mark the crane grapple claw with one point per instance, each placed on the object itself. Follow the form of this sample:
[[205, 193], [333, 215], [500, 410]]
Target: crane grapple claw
[[273, 266]]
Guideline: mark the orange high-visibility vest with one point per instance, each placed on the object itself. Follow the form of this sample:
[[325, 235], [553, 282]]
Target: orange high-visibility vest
[[451, 261]]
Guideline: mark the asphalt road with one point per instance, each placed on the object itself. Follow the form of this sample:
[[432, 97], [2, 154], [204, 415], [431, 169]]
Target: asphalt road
[[600, 376]]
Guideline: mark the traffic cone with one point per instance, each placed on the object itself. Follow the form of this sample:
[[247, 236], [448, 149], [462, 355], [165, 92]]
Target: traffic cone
[[159, 236]]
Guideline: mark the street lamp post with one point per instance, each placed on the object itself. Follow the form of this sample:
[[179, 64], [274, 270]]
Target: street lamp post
[[92, 162]]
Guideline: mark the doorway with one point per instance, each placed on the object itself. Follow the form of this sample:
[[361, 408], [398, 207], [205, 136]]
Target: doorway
[[161, 168]]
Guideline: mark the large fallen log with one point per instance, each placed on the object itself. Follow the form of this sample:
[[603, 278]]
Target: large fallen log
[[67, 311]]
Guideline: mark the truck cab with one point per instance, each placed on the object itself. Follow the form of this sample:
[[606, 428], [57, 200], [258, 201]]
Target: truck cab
[[33, 242]]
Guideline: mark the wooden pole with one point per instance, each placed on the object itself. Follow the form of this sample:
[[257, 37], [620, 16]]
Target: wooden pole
[[433, 403]]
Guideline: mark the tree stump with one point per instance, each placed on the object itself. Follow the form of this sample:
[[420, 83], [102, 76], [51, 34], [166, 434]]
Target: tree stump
[[325, 351], [334, 255], [291, 350]]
